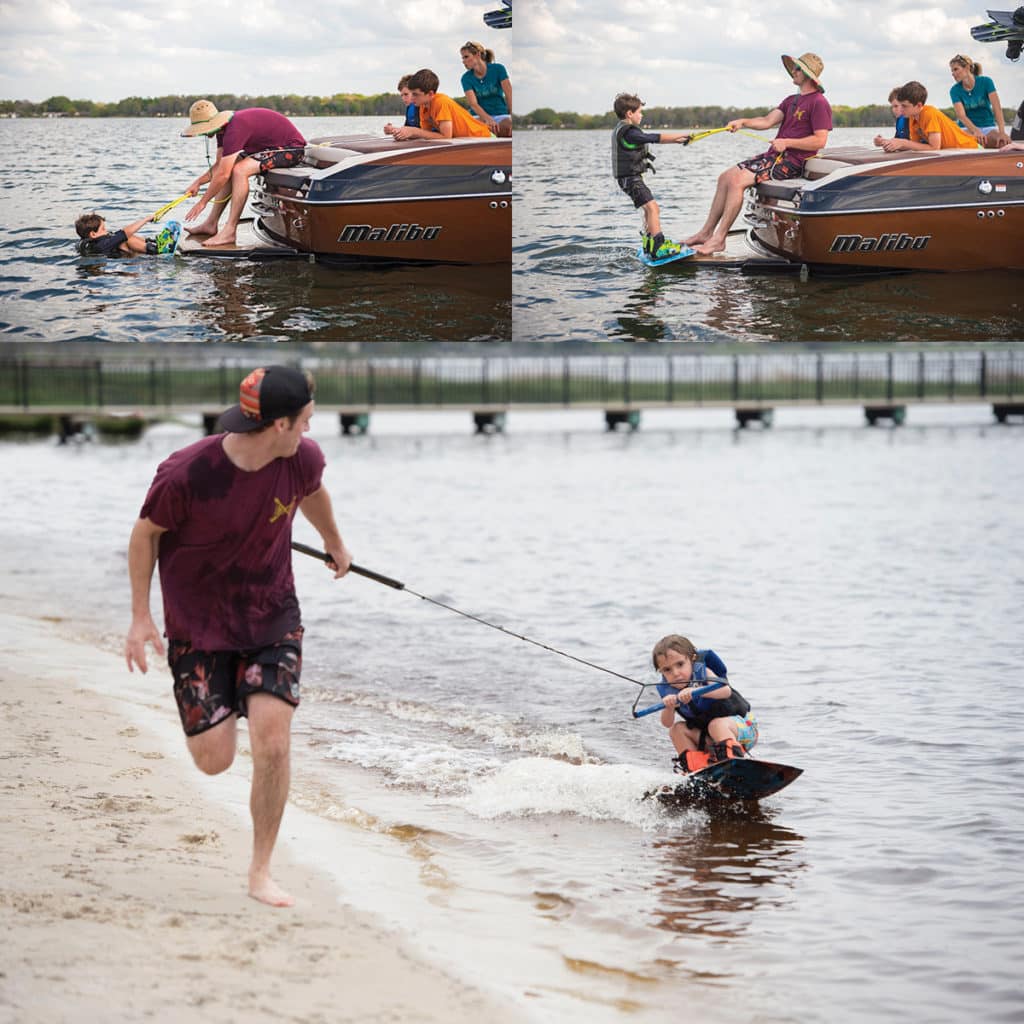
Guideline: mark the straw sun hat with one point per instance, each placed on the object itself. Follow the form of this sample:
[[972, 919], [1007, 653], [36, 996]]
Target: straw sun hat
[[206, 119], [810, 64]]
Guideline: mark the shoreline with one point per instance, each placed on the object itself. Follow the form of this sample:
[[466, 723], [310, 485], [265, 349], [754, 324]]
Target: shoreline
[[124, 871]]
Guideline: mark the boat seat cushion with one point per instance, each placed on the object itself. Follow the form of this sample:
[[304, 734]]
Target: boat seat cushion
[[328, 154], [287, 177], [781, 189]]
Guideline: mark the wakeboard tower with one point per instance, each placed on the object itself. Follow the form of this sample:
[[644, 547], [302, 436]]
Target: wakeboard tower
[[500, 19], [1005, 27]]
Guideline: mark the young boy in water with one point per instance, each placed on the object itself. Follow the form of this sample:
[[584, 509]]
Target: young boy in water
[[721, 715], [630, 159], [96, 240], [929, 127]]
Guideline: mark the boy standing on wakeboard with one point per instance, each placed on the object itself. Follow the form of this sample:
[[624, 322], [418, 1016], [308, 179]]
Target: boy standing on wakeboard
[[630, 159]]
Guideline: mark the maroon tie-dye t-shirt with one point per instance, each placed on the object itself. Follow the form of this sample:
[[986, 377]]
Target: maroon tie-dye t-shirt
[[225, 560]]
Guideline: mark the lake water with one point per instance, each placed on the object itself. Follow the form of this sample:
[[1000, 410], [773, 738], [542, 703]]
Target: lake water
[[861, 584], [575, 276], [125, 168]]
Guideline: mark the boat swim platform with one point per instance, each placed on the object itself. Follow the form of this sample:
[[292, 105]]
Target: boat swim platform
[[740, 254], [248, 245]]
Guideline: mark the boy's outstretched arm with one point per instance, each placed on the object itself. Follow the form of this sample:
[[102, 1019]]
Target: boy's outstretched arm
[[133, 229], [682, 137]]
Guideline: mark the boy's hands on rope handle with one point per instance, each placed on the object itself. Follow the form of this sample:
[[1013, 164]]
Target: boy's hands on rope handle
[[682, 697]]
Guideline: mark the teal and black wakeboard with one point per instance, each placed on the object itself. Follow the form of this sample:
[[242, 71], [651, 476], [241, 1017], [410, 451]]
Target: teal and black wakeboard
[[650, 261], [167, 238], [728, 781]]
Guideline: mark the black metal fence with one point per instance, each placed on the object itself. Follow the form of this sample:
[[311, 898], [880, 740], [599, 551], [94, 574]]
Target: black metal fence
[[943, 375]]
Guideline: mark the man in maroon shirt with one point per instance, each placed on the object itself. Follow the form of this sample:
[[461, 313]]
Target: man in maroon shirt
[[249, 142], [805, 119], [218, 519]]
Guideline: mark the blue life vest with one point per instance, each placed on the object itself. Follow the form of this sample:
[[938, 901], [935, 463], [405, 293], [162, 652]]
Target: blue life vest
[[701, 710], [902, 127]]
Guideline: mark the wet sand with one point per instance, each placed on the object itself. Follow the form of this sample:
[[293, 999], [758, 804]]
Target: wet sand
[[123, 891]]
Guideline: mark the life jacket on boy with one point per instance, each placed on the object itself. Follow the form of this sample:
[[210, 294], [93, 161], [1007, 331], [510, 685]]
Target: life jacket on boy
[[700, 711], [628, 159]]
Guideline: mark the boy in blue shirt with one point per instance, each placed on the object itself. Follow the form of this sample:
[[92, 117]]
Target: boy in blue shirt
[[902, 121], [630, 159]]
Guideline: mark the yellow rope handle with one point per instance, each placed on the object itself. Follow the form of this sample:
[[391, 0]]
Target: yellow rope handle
[[170, 206], [714, 131], [174, 202]]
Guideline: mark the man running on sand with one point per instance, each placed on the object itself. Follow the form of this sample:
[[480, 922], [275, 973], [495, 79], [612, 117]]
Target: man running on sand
[[806, 120], [218, 519]]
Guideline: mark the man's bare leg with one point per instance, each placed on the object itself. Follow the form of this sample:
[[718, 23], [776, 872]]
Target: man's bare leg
[[215, 208], [737, 180], [714, 214], [214, 750], [244, 168], [270, 722]]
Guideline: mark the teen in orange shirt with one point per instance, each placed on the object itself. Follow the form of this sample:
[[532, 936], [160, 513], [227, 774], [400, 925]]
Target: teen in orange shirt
[[439, 114], [929, 126]]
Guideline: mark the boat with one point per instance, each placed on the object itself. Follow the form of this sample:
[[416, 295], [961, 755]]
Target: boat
[[370, 199], [864, 209]]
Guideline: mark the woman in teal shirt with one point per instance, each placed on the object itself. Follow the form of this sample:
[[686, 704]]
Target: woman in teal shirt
[[976, 103], [487, 88]]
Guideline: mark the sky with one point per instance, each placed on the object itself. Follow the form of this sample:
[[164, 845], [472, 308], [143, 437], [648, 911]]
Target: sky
[[566, 54], [105, 51], [578, 54]]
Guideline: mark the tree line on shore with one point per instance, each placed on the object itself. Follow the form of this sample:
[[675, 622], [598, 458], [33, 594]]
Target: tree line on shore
[[869, 116], [340, 104]]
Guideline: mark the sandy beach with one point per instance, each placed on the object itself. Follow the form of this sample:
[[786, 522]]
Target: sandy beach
[[123, 872]]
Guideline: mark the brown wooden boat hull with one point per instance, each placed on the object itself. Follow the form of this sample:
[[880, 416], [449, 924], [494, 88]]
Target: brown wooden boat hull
[[960, 214], [444, 204]]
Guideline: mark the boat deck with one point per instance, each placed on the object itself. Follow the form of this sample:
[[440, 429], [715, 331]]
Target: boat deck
[[249, 244], [740, 256]]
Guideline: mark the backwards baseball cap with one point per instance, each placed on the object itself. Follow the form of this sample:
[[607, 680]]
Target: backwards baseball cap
[[266, 395]]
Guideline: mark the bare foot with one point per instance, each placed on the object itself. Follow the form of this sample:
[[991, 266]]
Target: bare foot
[[711, 246], [266, 890], [206, 228], [221, 238], [701, 236]]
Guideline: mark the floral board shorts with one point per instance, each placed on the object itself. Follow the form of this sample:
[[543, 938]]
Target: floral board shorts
[[268, 159], [747, 730], [772, 166], [637, 190], [209, 686]]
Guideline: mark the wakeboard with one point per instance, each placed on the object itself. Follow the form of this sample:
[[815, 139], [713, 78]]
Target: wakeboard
[[650, 261], [167, 238], [734, 779]]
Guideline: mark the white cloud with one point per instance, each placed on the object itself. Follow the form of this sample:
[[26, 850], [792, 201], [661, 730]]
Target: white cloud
[[575, 56], [106, 49]]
